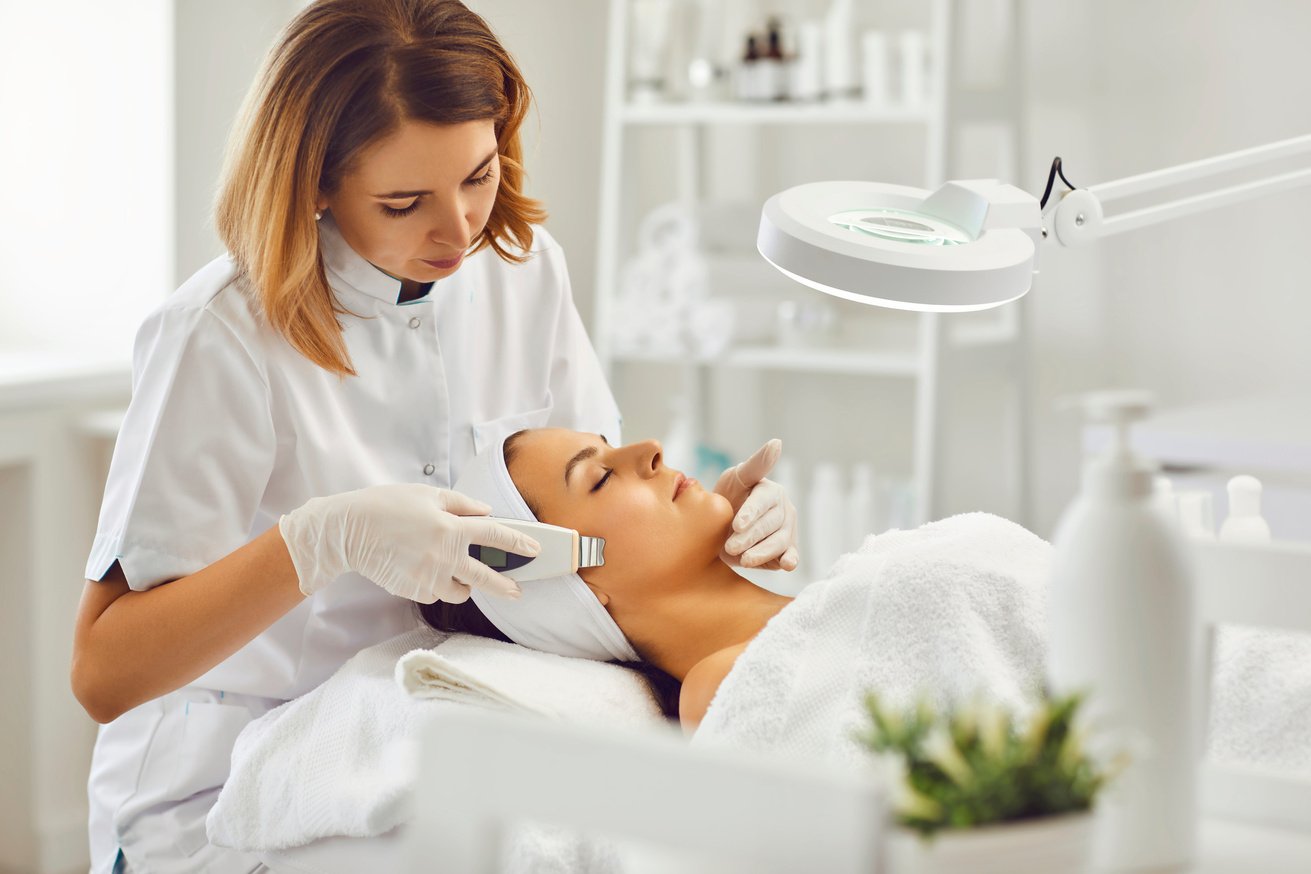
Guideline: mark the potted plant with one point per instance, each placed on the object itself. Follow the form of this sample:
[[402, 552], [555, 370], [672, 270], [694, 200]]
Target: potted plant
[[974, 789]]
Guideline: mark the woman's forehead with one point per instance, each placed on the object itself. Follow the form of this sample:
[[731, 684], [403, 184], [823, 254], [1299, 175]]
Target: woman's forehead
[[543, 455]]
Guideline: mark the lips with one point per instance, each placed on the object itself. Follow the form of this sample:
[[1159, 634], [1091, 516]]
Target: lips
[[680, 483], [443, 265]]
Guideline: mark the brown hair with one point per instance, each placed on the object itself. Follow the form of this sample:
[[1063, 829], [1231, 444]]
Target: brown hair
[[343, 74]]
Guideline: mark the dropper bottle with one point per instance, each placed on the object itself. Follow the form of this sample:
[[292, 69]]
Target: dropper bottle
[[1122, 629]]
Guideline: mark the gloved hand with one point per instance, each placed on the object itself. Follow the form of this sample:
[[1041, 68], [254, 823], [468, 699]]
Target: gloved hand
[[764, 520], [411, 539]]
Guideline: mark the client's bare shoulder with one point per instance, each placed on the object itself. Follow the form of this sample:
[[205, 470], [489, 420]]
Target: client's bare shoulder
[[702, 682]]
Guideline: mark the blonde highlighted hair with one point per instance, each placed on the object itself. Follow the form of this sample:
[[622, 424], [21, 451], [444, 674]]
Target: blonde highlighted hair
[[342, 75]]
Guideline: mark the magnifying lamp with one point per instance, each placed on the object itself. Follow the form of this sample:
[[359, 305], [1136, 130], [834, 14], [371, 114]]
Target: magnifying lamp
[[972, 244]]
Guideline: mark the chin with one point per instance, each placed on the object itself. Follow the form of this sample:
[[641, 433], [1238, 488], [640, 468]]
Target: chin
[[721, 507]]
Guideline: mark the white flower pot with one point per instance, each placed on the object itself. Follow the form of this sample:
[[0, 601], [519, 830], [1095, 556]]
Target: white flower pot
[[1048, 845]]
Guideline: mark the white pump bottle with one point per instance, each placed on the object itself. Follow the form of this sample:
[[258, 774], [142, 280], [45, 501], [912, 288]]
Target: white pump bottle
[[1121, 628]]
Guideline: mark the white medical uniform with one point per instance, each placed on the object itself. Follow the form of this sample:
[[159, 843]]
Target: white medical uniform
[[229, 427]]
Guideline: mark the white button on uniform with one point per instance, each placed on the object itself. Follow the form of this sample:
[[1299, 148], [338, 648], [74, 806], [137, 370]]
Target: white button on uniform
[[414, 322], [428, 469]]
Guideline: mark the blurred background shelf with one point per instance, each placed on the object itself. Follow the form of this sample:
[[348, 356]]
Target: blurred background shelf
[[725, 112], [879, 371], [800, 360]]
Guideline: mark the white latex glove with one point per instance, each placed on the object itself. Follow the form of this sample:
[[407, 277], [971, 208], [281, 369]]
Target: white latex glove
[[764, 520], [410, 539]]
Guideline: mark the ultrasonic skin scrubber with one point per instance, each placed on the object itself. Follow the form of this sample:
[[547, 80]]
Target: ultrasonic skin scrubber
[[564, 551]]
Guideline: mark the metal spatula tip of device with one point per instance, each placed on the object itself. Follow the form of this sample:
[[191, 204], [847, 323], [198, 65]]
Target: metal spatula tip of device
[[591, 551]]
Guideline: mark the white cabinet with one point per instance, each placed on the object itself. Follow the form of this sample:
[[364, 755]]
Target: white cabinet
[[674, 149]]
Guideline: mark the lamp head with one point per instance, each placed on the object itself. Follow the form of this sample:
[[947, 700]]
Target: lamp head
[[970, 245]]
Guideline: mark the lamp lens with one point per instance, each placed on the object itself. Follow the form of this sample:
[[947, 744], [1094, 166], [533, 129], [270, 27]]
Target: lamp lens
[[901, 225]]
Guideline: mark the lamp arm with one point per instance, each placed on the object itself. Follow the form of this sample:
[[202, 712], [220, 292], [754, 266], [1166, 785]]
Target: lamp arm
[[1079, 217]]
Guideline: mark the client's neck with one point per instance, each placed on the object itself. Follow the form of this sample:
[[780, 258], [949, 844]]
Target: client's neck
[[714, 609]]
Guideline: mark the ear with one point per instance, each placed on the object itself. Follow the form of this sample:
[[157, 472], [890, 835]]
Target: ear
[[600, 595]]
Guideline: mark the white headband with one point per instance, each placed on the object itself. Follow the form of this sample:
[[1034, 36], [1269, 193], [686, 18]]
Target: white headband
[[558, 615]]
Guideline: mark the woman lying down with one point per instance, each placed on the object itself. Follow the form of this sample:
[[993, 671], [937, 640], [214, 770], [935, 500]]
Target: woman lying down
[[949, 610], [665, 598]]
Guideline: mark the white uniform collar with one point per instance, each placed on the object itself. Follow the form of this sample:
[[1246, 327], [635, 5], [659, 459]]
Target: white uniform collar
[[345, 264]]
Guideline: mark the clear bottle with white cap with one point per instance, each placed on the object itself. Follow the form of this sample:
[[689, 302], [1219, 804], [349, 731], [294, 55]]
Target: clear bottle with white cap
[[1244, 524], [1121, 628]]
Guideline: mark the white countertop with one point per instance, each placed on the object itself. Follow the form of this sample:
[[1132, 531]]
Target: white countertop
[[41, 377]]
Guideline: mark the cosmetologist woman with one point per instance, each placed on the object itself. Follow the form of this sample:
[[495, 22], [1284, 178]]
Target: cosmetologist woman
[[388, 306]]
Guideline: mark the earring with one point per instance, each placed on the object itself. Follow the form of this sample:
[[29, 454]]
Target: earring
[[318, 215]]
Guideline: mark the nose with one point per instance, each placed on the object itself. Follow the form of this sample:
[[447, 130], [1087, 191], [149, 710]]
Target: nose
[[450, 229], [648, 457]]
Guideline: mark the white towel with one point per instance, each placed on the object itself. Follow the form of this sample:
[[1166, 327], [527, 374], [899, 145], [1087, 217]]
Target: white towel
[[341, 760], [478, 670], [1261, 699], [954, 607], [946, 610]]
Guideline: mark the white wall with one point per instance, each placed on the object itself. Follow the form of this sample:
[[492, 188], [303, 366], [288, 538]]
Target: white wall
[[219, 50], [86, 162], [560, 47]]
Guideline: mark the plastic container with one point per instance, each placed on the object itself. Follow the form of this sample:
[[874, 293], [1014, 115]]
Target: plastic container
[[874, 67], [1122, 628], [825, 525], [1244, 524], [840, 81], [913, 48], [862, 506], [807, 72], [1196, 514]]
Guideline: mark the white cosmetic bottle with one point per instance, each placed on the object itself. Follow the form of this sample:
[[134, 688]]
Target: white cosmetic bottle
[[861, 507], [840, 82], [824, 512], [1121, 628], [1244, 523]]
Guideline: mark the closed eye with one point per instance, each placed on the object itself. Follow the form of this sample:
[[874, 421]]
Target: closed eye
[[602, 481], [398, 213]]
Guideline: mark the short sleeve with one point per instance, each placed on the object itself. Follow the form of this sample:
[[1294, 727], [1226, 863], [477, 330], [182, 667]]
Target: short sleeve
[[581, 397], [194, 454]]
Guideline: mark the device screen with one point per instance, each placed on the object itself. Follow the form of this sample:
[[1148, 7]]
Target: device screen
[[492, 557], [498, 559]]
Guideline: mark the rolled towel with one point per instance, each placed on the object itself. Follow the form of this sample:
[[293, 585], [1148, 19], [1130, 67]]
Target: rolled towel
[[465, 669]]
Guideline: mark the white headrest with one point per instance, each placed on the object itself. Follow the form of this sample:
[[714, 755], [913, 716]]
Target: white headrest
[[558, 615]]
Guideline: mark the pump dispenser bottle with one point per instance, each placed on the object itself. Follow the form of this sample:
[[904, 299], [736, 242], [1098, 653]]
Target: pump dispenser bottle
[[1122, 629]]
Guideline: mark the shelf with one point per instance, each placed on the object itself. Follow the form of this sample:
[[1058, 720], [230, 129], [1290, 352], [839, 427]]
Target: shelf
[[897, 362], [727, 112]]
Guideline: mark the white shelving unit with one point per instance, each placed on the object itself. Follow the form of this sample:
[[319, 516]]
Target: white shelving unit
[[922, 354]]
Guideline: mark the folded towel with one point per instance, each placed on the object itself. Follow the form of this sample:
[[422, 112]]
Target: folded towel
[[478, 670], [946, 610], [341, 759], [331, 762]]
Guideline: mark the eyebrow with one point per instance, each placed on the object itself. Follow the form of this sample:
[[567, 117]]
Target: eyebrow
[[398, 195], [581, 456]]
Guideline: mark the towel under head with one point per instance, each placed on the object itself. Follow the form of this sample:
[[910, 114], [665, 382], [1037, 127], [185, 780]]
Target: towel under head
[[558, 615]]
